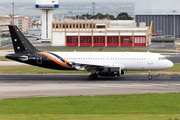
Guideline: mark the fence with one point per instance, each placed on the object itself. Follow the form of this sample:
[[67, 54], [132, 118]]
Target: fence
[[5, 41]]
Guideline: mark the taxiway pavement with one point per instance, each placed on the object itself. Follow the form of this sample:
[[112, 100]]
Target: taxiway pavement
[[15, 86]]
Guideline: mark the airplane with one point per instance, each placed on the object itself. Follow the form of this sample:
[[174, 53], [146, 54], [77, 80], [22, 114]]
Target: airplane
[[110, 64]]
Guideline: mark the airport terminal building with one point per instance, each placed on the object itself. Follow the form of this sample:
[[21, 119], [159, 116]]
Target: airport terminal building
[[99, 33]]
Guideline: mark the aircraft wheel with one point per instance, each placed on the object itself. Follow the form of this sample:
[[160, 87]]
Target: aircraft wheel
[[150, 77], [92, 76], [95, 75]]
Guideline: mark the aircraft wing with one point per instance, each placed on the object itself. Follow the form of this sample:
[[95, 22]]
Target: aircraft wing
[[89, 66]]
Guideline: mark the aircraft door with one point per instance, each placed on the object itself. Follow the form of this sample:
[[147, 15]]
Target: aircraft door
[[39, 58], [150, 59]]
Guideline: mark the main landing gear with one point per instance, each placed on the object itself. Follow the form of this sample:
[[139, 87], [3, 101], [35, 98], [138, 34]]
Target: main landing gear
[[150, 76], [93, 76]]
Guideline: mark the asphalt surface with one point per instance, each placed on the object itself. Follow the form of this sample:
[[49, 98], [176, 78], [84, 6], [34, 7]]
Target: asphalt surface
[[15, 86], [153, 46]]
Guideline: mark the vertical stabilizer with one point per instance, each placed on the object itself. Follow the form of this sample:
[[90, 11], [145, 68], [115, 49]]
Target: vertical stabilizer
[[150, 31], [20, 42]]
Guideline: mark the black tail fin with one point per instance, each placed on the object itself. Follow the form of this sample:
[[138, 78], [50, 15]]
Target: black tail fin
[[20, 42]]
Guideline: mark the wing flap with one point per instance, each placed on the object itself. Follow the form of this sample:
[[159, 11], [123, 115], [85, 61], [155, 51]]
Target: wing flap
[[93, 66]]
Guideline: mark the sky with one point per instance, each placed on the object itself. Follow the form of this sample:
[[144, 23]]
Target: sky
[[33, 1]]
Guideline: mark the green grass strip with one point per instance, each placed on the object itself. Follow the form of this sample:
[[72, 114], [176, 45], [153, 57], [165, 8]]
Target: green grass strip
[[34, 70], [2, 58], [6, 48], [108, 104], [90, 117]]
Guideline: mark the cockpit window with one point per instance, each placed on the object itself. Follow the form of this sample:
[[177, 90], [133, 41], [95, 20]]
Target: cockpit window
[[162, 58]]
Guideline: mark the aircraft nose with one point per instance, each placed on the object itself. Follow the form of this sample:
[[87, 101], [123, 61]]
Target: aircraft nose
[[170, 64]]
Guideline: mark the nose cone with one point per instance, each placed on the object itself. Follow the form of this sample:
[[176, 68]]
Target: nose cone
[[170, 64]]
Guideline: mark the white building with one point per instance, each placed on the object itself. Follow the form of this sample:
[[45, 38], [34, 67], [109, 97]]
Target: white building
[[23, 22], [4, 27], [47, 7]]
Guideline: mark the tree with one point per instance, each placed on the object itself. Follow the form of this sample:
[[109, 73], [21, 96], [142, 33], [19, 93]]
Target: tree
[[87, 16], [97, 16], [78, 16], [110, 17], [123, 16]]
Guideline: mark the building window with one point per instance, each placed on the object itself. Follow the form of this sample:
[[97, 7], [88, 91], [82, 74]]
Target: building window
[[90, 25], [94, 25]]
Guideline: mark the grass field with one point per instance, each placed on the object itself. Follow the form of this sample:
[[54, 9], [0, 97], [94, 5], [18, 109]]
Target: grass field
[[37, 70], [6, 49], [90, 117], [2, 58], [108, 107]]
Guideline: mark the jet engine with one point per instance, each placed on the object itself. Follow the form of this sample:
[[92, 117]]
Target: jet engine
[[111, 71]]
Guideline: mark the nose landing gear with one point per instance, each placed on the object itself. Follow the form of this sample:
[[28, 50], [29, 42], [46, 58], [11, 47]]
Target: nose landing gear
[[150, 76]]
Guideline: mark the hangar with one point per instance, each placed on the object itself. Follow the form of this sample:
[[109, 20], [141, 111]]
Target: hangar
[[165, 15], [99, 33]]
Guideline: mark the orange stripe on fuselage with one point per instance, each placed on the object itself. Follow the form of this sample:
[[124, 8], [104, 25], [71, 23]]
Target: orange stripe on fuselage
[[56, 61], [65, 61]]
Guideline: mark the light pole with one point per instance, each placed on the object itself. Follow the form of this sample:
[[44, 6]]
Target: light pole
[[93, 7], [174, 23], [70, 14], [13, 13]]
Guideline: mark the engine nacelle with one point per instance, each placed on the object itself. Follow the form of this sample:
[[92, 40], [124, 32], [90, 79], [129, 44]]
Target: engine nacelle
[[111, 71]]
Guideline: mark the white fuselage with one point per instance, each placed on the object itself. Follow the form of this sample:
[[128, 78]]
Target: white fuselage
[[125, 60]]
